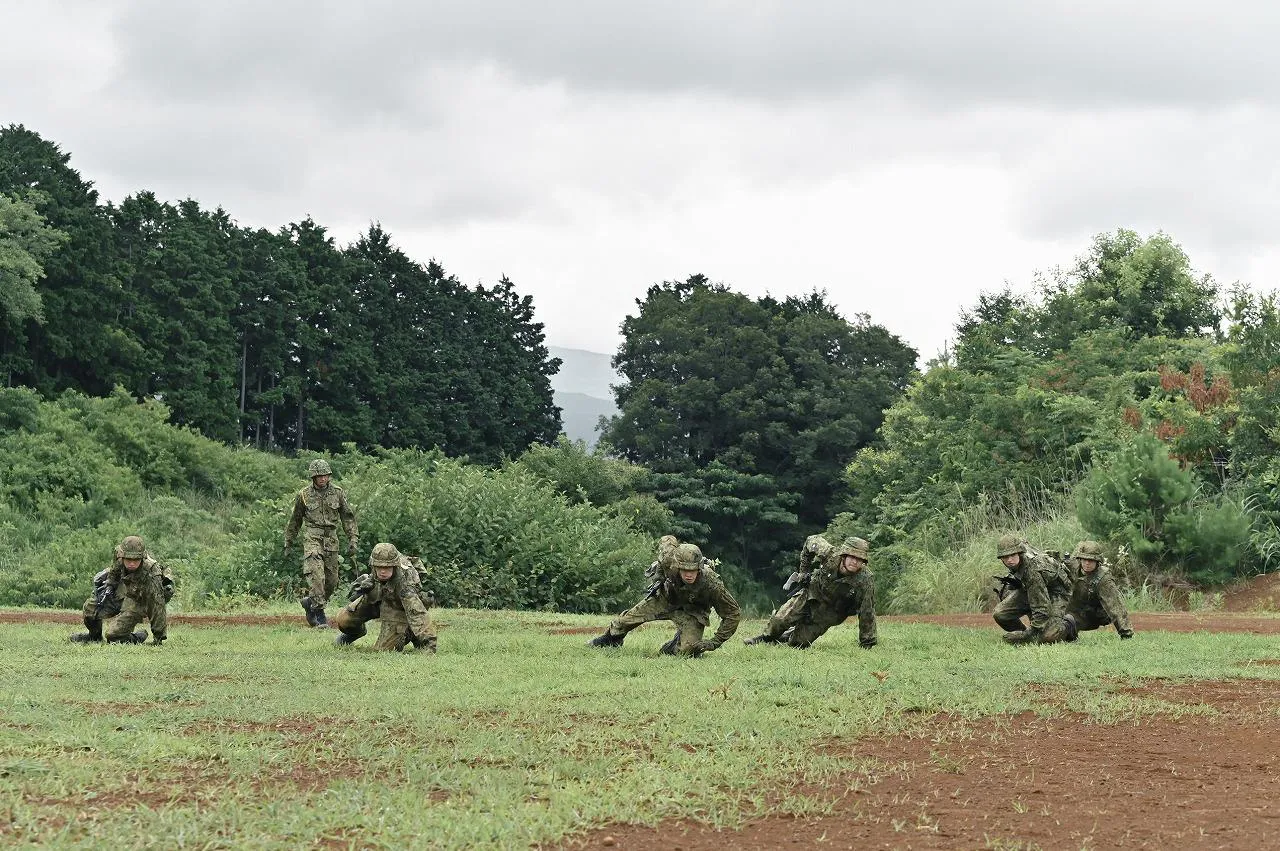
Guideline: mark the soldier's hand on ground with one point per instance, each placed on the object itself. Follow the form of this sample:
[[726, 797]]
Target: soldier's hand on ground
[[706, 646], [1128, 633]]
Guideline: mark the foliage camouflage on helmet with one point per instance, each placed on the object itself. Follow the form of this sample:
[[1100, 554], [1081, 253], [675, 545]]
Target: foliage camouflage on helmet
[[1088, 549], [384, 555], [856, 547], [319, 467], [133, 547], [1009, 545], [688, 556]]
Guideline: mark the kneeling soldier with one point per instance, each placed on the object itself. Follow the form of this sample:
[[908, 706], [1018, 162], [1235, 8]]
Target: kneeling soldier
[[390, 592], [1095, 599], [1040, 586], [840, 585], [685, 595], [134, 588]]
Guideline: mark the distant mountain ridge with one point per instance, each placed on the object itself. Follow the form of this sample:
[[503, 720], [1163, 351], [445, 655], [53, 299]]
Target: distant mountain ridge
[[582, 391]]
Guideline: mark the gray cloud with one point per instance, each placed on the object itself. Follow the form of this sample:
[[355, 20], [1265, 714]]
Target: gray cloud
[[372, 55]]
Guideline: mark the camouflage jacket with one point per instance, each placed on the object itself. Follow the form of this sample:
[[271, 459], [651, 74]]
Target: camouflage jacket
[[320, 512], [1096, 593], [1047, 583], [152, 581], [403, 591], [699, 597], [844, 593]]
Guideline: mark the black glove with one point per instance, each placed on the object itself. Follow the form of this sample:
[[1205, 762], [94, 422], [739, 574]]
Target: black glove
[[1128, 633], [705, 646]]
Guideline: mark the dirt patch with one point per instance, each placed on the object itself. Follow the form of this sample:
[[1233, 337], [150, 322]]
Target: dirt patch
[[1033, 782], [577, 630], [1261, 593], [300, 727], [43, 616], [1143, 621]]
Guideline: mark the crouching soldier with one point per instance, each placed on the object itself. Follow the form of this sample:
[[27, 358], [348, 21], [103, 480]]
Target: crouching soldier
[[684, 595], [390, 592], [134, 588], [1038, 586], [1095, 599], [831, 584]]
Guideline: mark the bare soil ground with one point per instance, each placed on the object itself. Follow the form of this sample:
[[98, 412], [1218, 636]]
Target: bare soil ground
[[1031, 782]]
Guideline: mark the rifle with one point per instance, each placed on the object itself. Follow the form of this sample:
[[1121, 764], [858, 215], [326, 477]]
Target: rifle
[[105, 600], [796, 580], [1006, 585]]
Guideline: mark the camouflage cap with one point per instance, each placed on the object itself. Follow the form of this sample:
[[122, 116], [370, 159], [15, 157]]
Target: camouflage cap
[[688, 556], [133, 547], [1009, 545], [856, 547], [384, 555], [319, 467], [1088, 549]]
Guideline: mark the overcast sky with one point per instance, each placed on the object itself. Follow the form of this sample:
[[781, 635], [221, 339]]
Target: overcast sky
[[902, 156]]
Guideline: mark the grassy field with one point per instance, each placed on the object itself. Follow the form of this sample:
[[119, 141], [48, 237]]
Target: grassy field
[[270, 737]]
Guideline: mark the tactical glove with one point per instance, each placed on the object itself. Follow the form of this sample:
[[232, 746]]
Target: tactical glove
[[706, 646], [1128, 633]]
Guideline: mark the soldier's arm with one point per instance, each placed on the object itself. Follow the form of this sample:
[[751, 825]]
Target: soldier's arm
[[1037, 598], [730, 615], [295, 520], [867, 615], [415, 611], [1113, 605], [348, 515]]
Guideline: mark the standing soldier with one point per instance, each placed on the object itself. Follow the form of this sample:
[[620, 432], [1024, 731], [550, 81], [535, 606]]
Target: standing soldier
[[391, 591], [134, 588], [840, 585], [318, 510], [1095, 599], [685, 594], [1040, 586]]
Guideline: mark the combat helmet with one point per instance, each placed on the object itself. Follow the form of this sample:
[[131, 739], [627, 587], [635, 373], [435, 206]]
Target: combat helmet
[[1010, 545], [1088, 549], [856, 547], [384, 555], [133, 547], [688, 557], [319, 467]]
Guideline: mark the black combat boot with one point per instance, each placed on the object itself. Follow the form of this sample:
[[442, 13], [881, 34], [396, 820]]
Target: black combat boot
[[305, 602], [1022, 636], [133, 638], [763, 638], [345, 639], [158, 637], [319, 621], [607, 640], [94, 634]]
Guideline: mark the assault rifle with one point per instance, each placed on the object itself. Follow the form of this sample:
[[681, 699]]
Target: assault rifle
[[107, 603], [1006, 585]]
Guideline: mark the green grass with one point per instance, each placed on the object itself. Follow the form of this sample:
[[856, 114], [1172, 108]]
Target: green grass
[[270, 737]]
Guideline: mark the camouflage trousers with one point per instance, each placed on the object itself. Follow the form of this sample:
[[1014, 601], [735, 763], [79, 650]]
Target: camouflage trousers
[[1011, 610], [807, 619], [320, 565], [133, 612], [1090, 619], [690, 625], [394, 633]]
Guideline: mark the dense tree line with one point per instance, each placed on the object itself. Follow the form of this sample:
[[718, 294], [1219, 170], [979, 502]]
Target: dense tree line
[[746, 411], [281, 339]]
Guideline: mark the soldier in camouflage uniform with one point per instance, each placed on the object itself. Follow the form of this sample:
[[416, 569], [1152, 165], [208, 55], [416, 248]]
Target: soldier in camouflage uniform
[[318, 510], [685, 594], [1095, 599], [1041, 586], [825, 595], [134, 588], [391, 592]]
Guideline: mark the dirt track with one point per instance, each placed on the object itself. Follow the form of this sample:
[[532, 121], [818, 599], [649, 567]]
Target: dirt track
[[1031, 782]]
